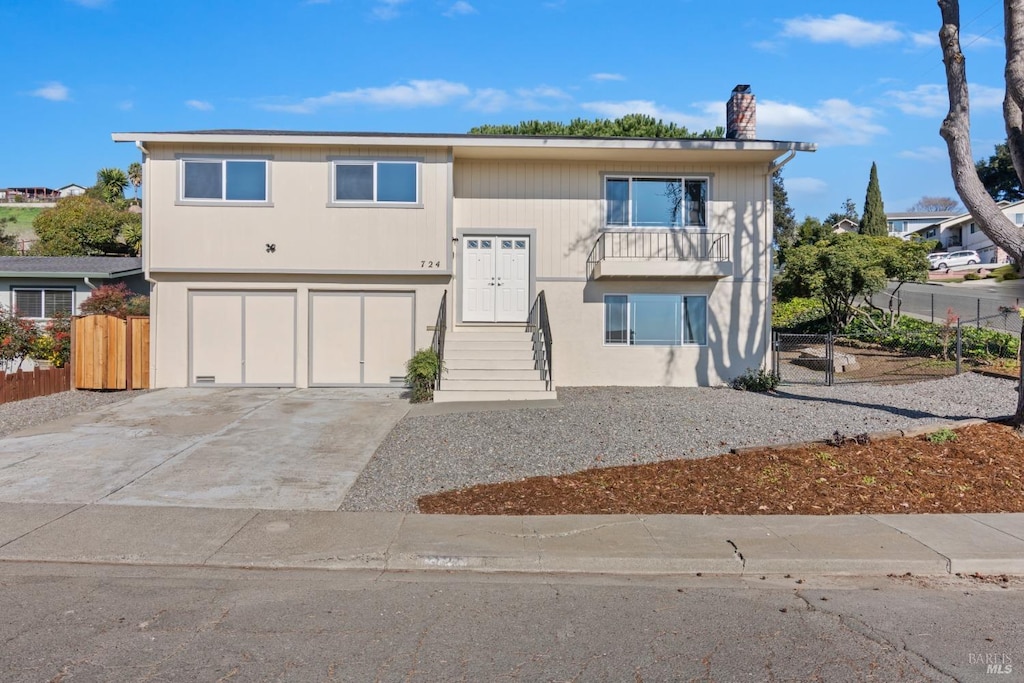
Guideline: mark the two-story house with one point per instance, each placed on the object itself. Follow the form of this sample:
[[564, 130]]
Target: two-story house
[[311, 259]]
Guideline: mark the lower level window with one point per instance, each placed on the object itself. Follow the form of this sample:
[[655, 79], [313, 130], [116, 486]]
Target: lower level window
[[42, 303], [655, 319]]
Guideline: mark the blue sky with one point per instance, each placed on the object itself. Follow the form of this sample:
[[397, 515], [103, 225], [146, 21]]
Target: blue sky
[[863, 80]]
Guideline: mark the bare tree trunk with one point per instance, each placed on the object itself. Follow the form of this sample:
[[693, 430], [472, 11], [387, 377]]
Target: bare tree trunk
[[956, 131]]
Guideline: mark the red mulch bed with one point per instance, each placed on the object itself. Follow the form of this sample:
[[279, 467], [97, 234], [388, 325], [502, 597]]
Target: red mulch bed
[[982, 470]]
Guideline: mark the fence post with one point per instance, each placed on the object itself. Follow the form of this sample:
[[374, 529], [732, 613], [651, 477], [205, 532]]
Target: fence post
[[829, 360], [978, 319], [959, 347], [932, 295]]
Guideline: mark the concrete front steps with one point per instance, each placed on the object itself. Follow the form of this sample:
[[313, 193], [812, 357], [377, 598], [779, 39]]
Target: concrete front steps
[[491, 363]]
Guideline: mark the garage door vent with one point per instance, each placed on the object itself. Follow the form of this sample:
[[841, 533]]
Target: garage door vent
[[206, 379], [397, 379]]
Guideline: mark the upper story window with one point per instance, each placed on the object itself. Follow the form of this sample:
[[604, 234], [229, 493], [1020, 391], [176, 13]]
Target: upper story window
[[225, 180], [974, 228], [43, 303], [1018, 219], [375, 182], [897, 226], [655, 202]]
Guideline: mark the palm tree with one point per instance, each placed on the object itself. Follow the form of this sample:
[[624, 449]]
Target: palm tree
[[135, 177], [112, 182]]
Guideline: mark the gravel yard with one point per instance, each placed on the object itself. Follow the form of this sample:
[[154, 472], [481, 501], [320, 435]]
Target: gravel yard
[[606, 426], [18, 415]]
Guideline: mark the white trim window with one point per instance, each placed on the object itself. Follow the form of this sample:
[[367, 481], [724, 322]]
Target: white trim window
[[655, 201], [41, 304], [225, 180], [655, 320], [375, 182]]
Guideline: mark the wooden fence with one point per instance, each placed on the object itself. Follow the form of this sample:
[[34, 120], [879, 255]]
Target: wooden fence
[[16, 386], [110, 353]]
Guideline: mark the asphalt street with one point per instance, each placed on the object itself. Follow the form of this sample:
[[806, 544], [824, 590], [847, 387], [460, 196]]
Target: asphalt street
[[102, 623]]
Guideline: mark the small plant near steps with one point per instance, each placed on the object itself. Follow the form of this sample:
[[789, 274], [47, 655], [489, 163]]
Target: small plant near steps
[[421, 372]]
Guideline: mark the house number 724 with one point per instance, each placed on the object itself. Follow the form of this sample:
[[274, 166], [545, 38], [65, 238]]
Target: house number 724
[[430, 264]]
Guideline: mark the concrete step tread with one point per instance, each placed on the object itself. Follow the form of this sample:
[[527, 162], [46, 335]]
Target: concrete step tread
[[452, 396]]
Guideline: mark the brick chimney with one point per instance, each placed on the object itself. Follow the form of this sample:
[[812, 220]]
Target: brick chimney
[[741, 114]]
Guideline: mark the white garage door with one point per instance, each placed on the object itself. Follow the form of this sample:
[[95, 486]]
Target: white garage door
[[242, 338], [359, 338]]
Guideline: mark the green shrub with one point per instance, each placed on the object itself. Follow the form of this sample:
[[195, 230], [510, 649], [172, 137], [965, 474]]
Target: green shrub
[[1010, 276], [421, 371], [756, 380], [922, 338], [799, 314], [973, 276], [942, 436]]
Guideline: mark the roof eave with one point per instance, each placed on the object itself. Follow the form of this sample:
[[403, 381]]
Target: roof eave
[[39, 275]]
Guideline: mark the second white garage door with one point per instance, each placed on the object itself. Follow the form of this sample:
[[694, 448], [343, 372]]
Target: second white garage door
[[242, 339], [360, 338]]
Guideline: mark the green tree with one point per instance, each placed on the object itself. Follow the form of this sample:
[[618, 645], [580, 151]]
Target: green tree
[[839, 269], [8, 241], [135, 177], [812, 230], [111, 183], [81, 226], [849, 210], [628, 126], [999, 177], [873, 222], [785, 232]]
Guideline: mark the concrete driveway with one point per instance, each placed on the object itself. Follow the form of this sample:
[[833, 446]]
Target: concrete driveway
[[277, 449]]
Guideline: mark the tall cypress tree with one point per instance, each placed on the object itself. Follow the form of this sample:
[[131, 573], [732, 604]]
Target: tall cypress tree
[[873, 220]]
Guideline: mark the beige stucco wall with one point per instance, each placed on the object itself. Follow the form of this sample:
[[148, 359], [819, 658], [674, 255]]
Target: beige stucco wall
[[169, 323], [309, 235], [738, 335]]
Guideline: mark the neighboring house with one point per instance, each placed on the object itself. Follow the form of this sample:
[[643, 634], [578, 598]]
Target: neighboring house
[[845, 225], [903, 225], [71, 190], [320, 259], [39, 286], [961, 232], [32, 194]]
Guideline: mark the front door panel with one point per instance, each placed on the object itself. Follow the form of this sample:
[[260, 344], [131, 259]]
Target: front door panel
[[495, 278]]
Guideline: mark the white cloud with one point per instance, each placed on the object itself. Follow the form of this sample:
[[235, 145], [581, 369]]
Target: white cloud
[[924, 39], [969, 40], [932, 100], [925, 154], [806, 186], [710, 116], [199, 105], [386, 10], [767, 45], [842, 28], [126, 105], [830, 122], [489, 100], [53, 91], [607, 77], [92, 4], [316, 2], [460, 8], [431, 93]]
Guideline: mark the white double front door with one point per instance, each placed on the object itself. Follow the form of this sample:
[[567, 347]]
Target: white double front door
[[495, 278]]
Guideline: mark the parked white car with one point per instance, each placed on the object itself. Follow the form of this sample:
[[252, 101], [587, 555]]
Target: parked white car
[[956, 258], [933, 258]]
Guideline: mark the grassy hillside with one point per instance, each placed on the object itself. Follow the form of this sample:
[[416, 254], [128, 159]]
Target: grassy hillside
[[24, 215]]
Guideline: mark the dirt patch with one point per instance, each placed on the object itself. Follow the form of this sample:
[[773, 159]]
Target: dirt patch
[[981, 469]]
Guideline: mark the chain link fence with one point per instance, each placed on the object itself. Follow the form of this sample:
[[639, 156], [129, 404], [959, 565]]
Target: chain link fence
[[894, 356], [942, 307]]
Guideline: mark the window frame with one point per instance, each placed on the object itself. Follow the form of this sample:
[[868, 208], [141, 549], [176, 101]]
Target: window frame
[[629, 317], [706, 178], [332, 182], [223, 159], [42, 299]]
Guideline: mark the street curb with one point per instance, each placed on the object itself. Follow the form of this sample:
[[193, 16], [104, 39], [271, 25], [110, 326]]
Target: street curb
[[871, 436]]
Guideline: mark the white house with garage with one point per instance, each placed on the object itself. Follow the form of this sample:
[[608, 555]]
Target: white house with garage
[[301, 259]]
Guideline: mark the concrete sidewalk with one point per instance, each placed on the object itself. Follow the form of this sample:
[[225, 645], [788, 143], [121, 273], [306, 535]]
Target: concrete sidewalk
[[623, 544]]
